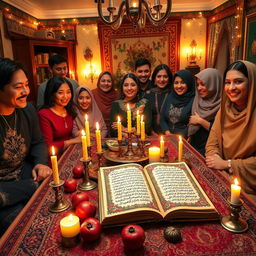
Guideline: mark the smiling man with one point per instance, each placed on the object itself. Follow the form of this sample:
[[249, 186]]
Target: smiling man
[[143, 72], [23, 154], [58, 67]]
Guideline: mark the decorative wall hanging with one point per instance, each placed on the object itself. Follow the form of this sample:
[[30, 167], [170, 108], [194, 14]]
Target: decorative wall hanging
[[120, 48]]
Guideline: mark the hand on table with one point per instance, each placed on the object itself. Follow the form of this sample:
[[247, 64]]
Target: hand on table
[[40, 172], [216, 162]]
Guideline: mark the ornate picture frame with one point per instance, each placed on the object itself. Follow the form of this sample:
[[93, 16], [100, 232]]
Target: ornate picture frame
[[249, 52], [120, 48], [1, 45]]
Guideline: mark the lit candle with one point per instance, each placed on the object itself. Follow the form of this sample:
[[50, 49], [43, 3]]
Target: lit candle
[[142, 124], [129, 119], [55, 171], [235, 192], [98, 138], [84, 146], [70, 226], [119, 129], [138, 122], [162, 147], [154, 154], [180, 148], [87, 131]]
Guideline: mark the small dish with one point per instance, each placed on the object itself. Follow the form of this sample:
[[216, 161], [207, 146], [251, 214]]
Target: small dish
[[112, 145]]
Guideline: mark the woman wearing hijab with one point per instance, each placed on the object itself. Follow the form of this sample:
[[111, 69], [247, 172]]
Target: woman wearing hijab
[[177, 110], [205, 106], [85, 104], [231, 145], [130, 95], [161, 80], [105, 94]]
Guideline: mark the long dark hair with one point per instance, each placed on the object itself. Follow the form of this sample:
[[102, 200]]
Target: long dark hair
[[168, 71], [237, 65], [136, 80], [52, 87]]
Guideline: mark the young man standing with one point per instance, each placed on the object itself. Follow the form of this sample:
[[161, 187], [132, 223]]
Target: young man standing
[[59, 67], [143, 72], [23, 153]]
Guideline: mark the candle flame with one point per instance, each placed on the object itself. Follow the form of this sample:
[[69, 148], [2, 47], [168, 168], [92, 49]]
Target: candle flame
[[138, 112], [134, 4], [142, 117], [97, 126], [70, 217], [180, 138], [236, 181], [86, 117], [53, 150], [83, 132], [118, 119], [161, 138], [128, 107]]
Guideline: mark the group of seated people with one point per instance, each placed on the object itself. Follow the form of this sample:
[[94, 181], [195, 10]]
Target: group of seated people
[[216, 116]]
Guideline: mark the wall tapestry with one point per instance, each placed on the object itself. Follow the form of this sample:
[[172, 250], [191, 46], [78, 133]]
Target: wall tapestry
[[120, 48]]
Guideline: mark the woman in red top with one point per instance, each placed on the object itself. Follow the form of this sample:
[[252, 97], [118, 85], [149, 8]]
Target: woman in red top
[[56, 116]]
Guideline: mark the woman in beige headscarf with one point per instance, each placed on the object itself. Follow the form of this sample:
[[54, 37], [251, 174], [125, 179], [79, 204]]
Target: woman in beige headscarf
[[231, 145], [205, 106]]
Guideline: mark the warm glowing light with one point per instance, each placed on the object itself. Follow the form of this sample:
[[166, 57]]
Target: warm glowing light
[[236, 181], [63, 31], [128, 107], [142, 117], [180, 139], [161, 138], [53, 151], [134, 4], [97, 126], [83, 132], [118, 119]]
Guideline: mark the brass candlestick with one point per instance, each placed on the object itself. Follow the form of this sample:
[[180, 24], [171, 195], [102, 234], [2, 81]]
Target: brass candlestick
[[60, 204], [99, 155], [87, 184], [233, 222], [142, 147], [120, 151], [129, 151]]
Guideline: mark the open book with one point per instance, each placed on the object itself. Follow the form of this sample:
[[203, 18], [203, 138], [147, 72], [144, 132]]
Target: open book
[[169, 191]]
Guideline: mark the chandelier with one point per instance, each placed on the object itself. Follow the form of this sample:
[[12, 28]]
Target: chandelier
[[136, 12]]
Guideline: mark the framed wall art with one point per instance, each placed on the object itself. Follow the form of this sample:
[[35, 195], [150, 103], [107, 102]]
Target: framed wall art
[[250, 38]]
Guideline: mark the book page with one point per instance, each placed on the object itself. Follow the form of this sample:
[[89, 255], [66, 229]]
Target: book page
[[176, 186], [126, 188]]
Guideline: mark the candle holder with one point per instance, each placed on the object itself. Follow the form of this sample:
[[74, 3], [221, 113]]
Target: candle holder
[[120, 152], [129, 151], [233, 222], [142, 147], [99, 155], [69, 242], [87, 184], [60, 204]]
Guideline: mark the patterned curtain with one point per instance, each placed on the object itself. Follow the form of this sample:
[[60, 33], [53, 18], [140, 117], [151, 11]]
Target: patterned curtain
[[214, 37]]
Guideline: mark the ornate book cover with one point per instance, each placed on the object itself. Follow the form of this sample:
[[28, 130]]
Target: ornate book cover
[[159, 191]]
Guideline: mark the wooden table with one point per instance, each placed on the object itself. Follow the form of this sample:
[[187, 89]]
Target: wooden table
[[36, 231]]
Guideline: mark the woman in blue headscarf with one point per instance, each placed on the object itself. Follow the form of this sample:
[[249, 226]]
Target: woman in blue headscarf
[[177, 109]]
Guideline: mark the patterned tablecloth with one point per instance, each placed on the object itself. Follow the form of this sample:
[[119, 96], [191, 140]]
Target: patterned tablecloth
[[36, 231]]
